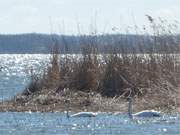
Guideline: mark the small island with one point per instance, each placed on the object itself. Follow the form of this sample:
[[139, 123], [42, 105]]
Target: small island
[[97, 82], [104, 71]]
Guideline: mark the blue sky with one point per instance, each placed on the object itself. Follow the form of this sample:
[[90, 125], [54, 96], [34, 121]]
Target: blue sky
[[81, 16]]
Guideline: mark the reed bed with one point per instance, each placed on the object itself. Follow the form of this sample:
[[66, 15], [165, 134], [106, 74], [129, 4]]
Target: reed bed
[[149, 72]]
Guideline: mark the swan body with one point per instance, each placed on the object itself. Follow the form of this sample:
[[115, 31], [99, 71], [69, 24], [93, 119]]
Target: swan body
[[84, 114], [80, 114], [147, 113], [142, 114]]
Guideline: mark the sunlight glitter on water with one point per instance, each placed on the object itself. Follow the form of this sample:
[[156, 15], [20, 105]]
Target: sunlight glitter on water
[[57, 123], [15, 71]]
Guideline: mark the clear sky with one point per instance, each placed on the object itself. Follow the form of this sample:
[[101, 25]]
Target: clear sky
[[80, 16]]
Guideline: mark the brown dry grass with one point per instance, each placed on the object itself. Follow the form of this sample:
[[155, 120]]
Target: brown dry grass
[[104, 84]]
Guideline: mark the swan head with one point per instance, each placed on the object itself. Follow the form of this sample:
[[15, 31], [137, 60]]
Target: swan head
[[67, 101], [129, 98]]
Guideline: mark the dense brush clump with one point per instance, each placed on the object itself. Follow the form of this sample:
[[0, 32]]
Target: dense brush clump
[[112, 75], [137, 71], [86, 72], [116, 77], [34, 85]]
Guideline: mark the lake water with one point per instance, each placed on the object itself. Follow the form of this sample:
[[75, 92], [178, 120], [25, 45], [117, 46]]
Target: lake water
[[14, 76], [15, 71], [103, 124]]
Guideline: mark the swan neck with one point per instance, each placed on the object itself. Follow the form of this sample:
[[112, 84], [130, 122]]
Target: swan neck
[[67, 113], [67, 110], [130, 108]]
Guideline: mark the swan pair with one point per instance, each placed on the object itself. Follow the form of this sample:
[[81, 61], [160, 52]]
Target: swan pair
[[142, 114], [80, 114]]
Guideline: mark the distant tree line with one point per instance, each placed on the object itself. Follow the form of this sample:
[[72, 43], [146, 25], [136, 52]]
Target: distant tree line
[[42, 43]]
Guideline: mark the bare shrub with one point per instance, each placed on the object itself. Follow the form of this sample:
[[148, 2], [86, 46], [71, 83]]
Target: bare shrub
[[86, 71], [126, 71], [34, 85]]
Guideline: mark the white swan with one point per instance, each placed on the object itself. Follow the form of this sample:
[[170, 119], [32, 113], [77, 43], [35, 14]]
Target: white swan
[[84, 114], [80, 114], [143, 114]]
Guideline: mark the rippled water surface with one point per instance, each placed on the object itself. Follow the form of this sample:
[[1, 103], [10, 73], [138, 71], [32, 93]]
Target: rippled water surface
[[103, 124], [15, 71], [14, 74]]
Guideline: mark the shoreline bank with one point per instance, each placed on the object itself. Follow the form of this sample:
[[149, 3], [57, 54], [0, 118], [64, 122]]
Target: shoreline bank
[[81, 101]]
